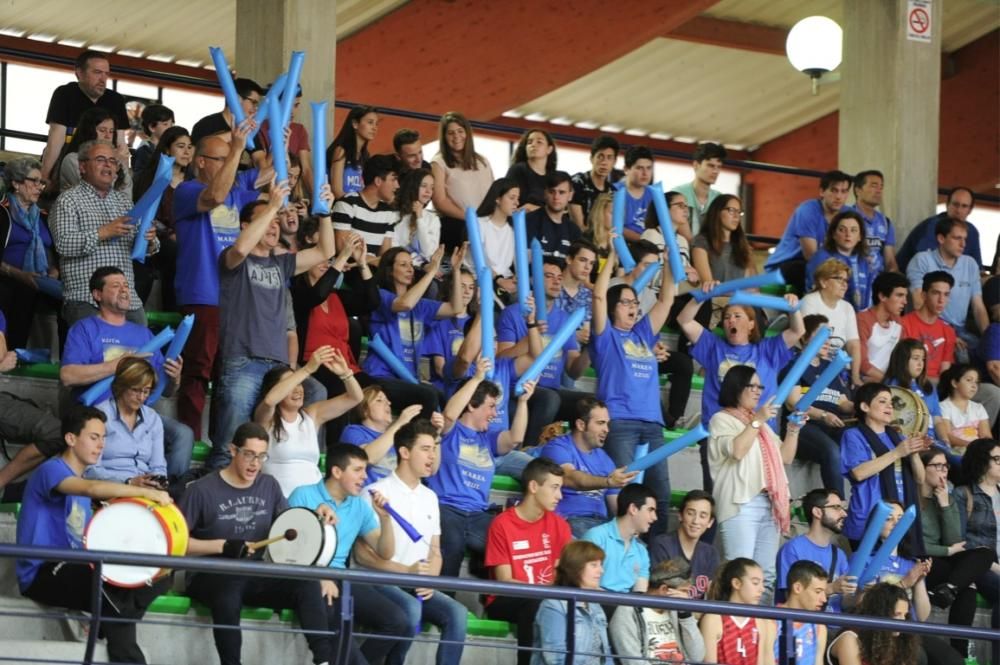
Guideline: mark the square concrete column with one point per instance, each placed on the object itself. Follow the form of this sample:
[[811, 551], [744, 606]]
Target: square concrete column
[[267, 31], [889, 103]]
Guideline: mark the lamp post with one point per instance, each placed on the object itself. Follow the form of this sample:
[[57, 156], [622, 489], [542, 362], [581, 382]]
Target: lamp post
[[814, 47]]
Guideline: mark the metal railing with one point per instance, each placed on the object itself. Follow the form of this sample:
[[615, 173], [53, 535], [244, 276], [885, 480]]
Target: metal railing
[[572, 595]]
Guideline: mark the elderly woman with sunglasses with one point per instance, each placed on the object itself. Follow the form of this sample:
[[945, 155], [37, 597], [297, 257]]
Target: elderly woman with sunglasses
[[26, 247]]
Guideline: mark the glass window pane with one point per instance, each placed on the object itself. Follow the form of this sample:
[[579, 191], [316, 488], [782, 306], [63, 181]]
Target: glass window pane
[[190, 107], [28, 92], [25, 146], [143, 91]]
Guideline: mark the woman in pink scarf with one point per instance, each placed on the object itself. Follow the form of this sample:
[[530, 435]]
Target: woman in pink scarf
[[747, 461]]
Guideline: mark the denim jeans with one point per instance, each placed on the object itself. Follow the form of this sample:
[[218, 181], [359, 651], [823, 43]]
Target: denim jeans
[[549, 406], [439, 610], [460, 530], [512, 464], [582, 524], [178, 442], [623, 437], [752, 533], [820, 445], [233, 400]]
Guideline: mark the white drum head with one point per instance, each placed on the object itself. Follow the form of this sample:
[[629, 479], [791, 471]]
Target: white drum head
[[313, 538], [127, 527]]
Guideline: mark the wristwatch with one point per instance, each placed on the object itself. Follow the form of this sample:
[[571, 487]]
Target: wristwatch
[[755, 424]]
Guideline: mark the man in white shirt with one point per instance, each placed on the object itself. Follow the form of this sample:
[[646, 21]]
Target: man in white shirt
[[879, 327]]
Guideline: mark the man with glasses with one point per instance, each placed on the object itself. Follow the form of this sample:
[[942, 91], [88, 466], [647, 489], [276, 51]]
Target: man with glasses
[[826, 511], [94, 346], [91, 229], [222, 124]]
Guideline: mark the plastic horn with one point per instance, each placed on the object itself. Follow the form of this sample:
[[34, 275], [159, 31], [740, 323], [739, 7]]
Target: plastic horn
[[475, 240], [279, 149], [99, 391], [402, 522], [641, 450], [883, 553], [147, 205], [864, 551], [272, 97], [50, 286], [772, 278], [645, 277], [556, 343], [538, 280], [618, 223], [665, 451], [521, 260], [389, 358], [489, 348], [228, 88], [836, 366], [669, 235], [801, 363], [173, 352], [319, 206], [757, 300], [291, 87]]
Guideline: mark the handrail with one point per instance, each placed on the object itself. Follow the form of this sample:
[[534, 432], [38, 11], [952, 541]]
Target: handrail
[[266, 569]]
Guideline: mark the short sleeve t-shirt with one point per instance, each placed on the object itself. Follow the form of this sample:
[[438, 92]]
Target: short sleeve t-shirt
[[512, 328], [722, 265], [531, 184], [445, 339], [93, 340], [628, 380], [467, 468], [361, 435], [403, 332], [938, 338], [355, 517], [68, 103], [555, 238], [253, 311], [585, 191], [48, 517], [879, 232], [635, 210], [531, 549], [808, 221], [215, 509], [841, 318], [581, 503], [704, 562], [801, 548]]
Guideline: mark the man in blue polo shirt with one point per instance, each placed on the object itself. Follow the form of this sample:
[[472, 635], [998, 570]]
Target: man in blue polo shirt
[[626, 560], [879, 231]]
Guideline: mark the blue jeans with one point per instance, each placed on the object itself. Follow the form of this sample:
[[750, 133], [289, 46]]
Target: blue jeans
[[459, 530], [439, 610], [233, 398], [513, 463], [821, 445], [623, 436], [582, 524], [178, 442], [752, 533]]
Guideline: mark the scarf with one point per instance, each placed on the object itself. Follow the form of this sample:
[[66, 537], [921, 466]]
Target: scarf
[[36, 260], [775, 480]]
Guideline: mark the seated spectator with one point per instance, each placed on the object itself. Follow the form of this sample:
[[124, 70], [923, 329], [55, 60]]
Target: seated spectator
[[588, 185], [418, 228], [368, 211], [155, 120], [551, 224], [292, 427], [347, 154], [699, 193], [497, 233], [656, 634], [468, 453], [407, 147], [819, 438], [962, 420], [461, 176], [446, 335], [534, 160], [736, 640], [223, 124], [524, 544], [966, 296], [807, 228], [879, 231], [879, 462], [96, 344], [694, 519], [627, 556], [91, 229], [748, 463], [133, 444], [592, 483], [961, 201], [879, 326], [806, 583], [55, 513], [877, 647], [581, 566], [845, 242], [825, 513], [25, 247], [827, 299], [926, 325], [720, 251], [678, 210], [375, 431], [979, 494], [954, 569], [576, 292], [638, 176], [988, 353], [908, 369]]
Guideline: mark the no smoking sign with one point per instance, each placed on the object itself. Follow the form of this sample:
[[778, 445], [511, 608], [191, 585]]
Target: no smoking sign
[[918, 20]]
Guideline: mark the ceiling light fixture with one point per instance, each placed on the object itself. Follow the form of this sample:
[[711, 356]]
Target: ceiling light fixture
[[815, 47]]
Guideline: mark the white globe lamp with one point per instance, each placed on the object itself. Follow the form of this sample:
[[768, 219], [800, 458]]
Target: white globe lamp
[[815, 47]]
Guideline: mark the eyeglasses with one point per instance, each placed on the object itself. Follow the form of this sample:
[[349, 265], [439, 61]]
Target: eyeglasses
[[838, 279], [628, 301], [35, 181], [253, 102], [101, 159], [995, 459], [141, 392], [214, 158], [835, 506], [249, 456], [941, 466], [734, 211], [679, 204], [754, 386]]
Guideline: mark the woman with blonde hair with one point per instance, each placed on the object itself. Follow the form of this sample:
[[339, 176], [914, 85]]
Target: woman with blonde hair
[[375, 430], [598, 228], [831, 279], [461, 176]]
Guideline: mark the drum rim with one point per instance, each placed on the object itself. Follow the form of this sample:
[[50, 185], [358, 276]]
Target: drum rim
[[323, 528]]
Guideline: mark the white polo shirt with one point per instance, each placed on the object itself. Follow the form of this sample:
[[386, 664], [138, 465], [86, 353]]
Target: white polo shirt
[[419, 507]]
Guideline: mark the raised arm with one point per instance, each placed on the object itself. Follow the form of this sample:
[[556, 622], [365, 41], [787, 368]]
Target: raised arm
[[514, 437], [599, 319], [253, 232], [325, 248], [796, 326], [380, 446], [455, 407], [659, 312], [217, 191], [686, 318], [328, 409], [409, 300], [264, 413]]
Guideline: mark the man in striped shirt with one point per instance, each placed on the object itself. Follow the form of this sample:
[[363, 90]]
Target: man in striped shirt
[[369, 212]]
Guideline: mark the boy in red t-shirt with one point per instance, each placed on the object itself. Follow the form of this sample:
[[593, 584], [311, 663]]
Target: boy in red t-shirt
[[523, 545], [926, 324]]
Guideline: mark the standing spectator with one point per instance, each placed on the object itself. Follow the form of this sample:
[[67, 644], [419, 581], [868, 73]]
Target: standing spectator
[[533, 162], [845, 242], [736, 640], [223, 124], [299, 149], [418, 228], [156, 119], [407, 147], [638, 176], [707, 162], [828, 299], [720, 251], [368, 210], [695, 518], [70, 100], [461, 176], [25, 247], [91, 229], [961, 201], [979, 494], [588, 185], [497, 233], [348, 153], [95, 124], [551, 224], [879, 231], [619, 538], [879, 326]]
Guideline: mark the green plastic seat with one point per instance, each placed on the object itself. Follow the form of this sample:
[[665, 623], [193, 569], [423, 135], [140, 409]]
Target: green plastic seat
[[171, 603], [201, 451], [486, 627], [506, 484], [11, 508], [37, 371], [163, 319]]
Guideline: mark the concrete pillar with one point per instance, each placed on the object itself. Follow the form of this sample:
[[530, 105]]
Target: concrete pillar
[[889, 105], [267, 31]]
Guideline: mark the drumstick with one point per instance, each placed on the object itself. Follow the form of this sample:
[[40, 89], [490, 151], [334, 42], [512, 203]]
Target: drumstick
[[289, 534]]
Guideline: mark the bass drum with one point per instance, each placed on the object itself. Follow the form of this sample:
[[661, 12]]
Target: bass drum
[[315, 541], [910, 414]]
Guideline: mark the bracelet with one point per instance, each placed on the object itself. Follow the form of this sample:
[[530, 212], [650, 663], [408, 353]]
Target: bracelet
[[532, 325], [344, 378]]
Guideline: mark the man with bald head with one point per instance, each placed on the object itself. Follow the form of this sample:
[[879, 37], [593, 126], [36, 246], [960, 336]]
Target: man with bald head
[[207, 210], [924, 234]]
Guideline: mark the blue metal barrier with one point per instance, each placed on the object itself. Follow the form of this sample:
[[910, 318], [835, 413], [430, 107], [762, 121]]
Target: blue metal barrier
[[573, 595]]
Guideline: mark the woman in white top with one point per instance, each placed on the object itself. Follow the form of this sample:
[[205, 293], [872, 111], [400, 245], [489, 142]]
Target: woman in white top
[[962, 420], [747, 461], [497, 233], [461, 176], [831, 278], [418, 229], [293, 453]]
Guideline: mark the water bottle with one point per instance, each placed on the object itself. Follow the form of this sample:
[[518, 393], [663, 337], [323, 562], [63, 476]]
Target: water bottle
[[970, 654]]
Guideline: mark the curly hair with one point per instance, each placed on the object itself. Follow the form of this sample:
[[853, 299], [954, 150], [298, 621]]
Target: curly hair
[[976, 460], [882, 647]]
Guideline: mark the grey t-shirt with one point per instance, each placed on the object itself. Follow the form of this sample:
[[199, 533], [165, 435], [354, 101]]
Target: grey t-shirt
[[252, 310], [723, 268], [215, 509]]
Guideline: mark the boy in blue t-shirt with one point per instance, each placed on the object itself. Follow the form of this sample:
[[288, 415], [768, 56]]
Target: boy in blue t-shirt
[[55, 513]]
